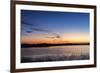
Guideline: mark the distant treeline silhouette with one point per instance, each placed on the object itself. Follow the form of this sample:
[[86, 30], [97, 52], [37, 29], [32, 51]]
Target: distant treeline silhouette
[[47, 45]]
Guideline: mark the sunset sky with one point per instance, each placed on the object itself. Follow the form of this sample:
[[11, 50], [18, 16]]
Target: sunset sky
[[54, 27]]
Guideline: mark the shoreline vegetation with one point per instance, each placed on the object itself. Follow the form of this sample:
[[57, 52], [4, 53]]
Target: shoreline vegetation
[[48, 45]]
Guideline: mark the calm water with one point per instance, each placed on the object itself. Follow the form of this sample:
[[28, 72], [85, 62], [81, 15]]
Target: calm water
[[55, 53]]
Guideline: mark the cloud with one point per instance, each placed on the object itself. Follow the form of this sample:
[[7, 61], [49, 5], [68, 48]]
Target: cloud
[[28, 29]]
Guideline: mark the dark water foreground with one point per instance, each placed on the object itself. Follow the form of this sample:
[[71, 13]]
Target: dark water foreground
[[55, 53], [54, 58]]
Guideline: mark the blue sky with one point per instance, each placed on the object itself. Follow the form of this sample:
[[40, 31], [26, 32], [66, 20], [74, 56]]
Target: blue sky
[[40, 22]]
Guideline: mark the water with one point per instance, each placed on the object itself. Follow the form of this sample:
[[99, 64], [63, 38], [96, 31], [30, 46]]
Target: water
[[55, 53]]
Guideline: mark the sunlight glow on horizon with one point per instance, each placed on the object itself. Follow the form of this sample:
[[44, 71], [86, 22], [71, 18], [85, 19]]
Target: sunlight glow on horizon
[[71, 38], [54, 27]]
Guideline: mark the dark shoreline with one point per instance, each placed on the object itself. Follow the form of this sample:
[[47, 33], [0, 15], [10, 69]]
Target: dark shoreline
[[48, 45]]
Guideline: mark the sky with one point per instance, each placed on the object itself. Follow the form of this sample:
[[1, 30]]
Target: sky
[[54, 27]]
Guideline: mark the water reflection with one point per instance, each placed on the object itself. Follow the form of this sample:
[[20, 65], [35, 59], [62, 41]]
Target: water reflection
[[55, 53]]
